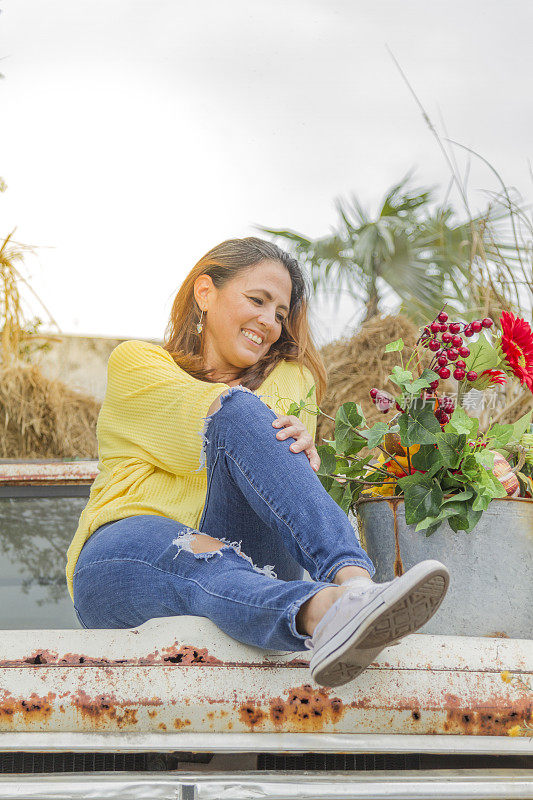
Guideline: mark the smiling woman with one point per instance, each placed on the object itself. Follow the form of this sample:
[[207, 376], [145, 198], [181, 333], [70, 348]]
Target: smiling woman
[[248, 284], [240, 328], [230, 539]]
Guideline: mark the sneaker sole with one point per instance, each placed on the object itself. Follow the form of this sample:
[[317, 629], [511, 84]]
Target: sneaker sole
[[399, 610]]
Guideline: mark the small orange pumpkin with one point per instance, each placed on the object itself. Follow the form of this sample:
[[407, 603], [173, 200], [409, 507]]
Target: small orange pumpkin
[[503, 471]]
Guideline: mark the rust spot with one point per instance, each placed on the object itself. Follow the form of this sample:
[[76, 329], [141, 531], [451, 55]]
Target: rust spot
[[105, 709], [7, 709], [37, 658], [398, 564], [490, 720], [497, 635], [177, 653], [174, 654], [452, 700], [181, 723], [33, 708], [152, 713], [305, 708], [251, 715], [296, 662], [162, 726]]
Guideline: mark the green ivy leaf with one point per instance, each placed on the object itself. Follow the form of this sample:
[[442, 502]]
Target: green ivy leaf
[[451, 481], [327, 482], [328, 459], [358, 468], [522, 425], [348, 417], [434, 522], [485, 459], [488, 487], [427, 377], [342, 494], [499, 435], [375, 434], [451, 447], [418, 425], [471, 468], [466, 494], [433, 528], [481, 502], [483, 355], [347, 439], [426, 457], [423, 497], [460, 422], [395, 346], [400, 376], [466, 518], [414, 387], [294, 409], [352, 444]]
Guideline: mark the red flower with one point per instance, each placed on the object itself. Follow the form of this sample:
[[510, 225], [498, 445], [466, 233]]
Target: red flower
[[517, 346], [494, 376]]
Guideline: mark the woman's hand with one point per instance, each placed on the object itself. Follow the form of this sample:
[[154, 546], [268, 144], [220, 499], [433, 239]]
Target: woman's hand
[[295, 428]]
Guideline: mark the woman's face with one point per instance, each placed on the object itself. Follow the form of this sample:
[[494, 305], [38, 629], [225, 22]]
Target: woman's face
[[257, 302]]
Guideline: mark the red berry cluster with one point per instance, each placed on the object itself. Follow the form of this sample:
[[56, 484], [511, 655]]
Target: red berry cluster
[[445, 340], [445, 409], [450, 345], [382, 400]]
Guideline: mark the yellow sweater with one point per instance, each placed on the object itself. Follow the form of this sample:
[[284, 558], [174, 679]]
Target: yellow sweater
[[149, 434]]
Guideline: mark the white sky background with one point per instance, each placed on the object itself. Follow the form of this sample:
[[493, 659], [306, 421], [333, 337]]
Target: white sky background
[[137, 134]]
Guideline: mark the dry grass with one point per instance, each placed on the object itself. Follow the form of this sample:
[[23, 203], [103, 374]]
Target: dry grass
[[357, 364], [39, 417], [43, 418], [516, 402]]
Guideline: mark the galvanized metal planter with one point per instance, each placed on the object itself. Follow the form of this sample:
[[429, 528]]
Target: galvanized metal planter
[[491, 589]]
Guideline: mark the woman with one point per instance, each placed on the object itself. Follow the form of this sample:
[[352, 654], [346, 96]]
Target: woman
[[207, 502]]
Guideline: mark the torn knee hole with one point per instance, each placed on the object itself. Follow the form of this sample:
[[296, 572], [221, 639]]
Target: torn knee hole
[[205, 547], [202, 543], [197, 543]]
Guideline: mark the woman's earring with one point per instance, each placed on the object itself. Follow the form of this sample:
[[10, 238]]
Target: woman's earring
[[199, 326]]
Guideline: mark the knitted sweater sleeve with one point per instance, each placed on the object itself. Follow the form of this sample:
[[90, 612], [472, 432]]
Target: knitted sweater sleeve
[[153, 409]]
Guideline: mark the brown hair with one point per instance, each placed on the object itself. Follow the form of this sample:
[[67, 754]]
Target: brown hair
[[223, 263]]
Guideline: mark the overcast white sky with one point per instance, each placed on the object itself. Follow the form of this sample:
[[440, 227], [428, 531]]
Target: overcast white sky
[[137, 134]]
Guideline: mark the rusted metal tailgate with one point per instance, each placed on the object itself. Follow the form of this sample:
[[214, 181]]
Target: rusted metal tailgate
[[182, 676]]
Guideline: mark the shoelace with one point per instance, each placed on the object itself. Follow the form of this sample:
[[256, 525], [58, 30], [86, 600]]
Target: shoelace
[[361, 581], [354, 587]]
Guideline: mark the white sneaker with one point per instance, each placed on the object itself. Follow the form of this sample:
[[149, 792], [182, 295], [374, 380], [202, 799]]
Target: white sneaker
[[371, 616]]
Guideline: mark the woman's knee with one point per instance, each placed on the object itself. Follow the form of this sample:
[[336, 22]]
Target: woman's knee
[[235, 406], [200, 543]]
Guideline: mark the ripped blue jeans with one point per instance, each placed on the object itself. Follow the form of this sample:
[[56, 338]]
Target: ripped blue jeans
[[268, 507]]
